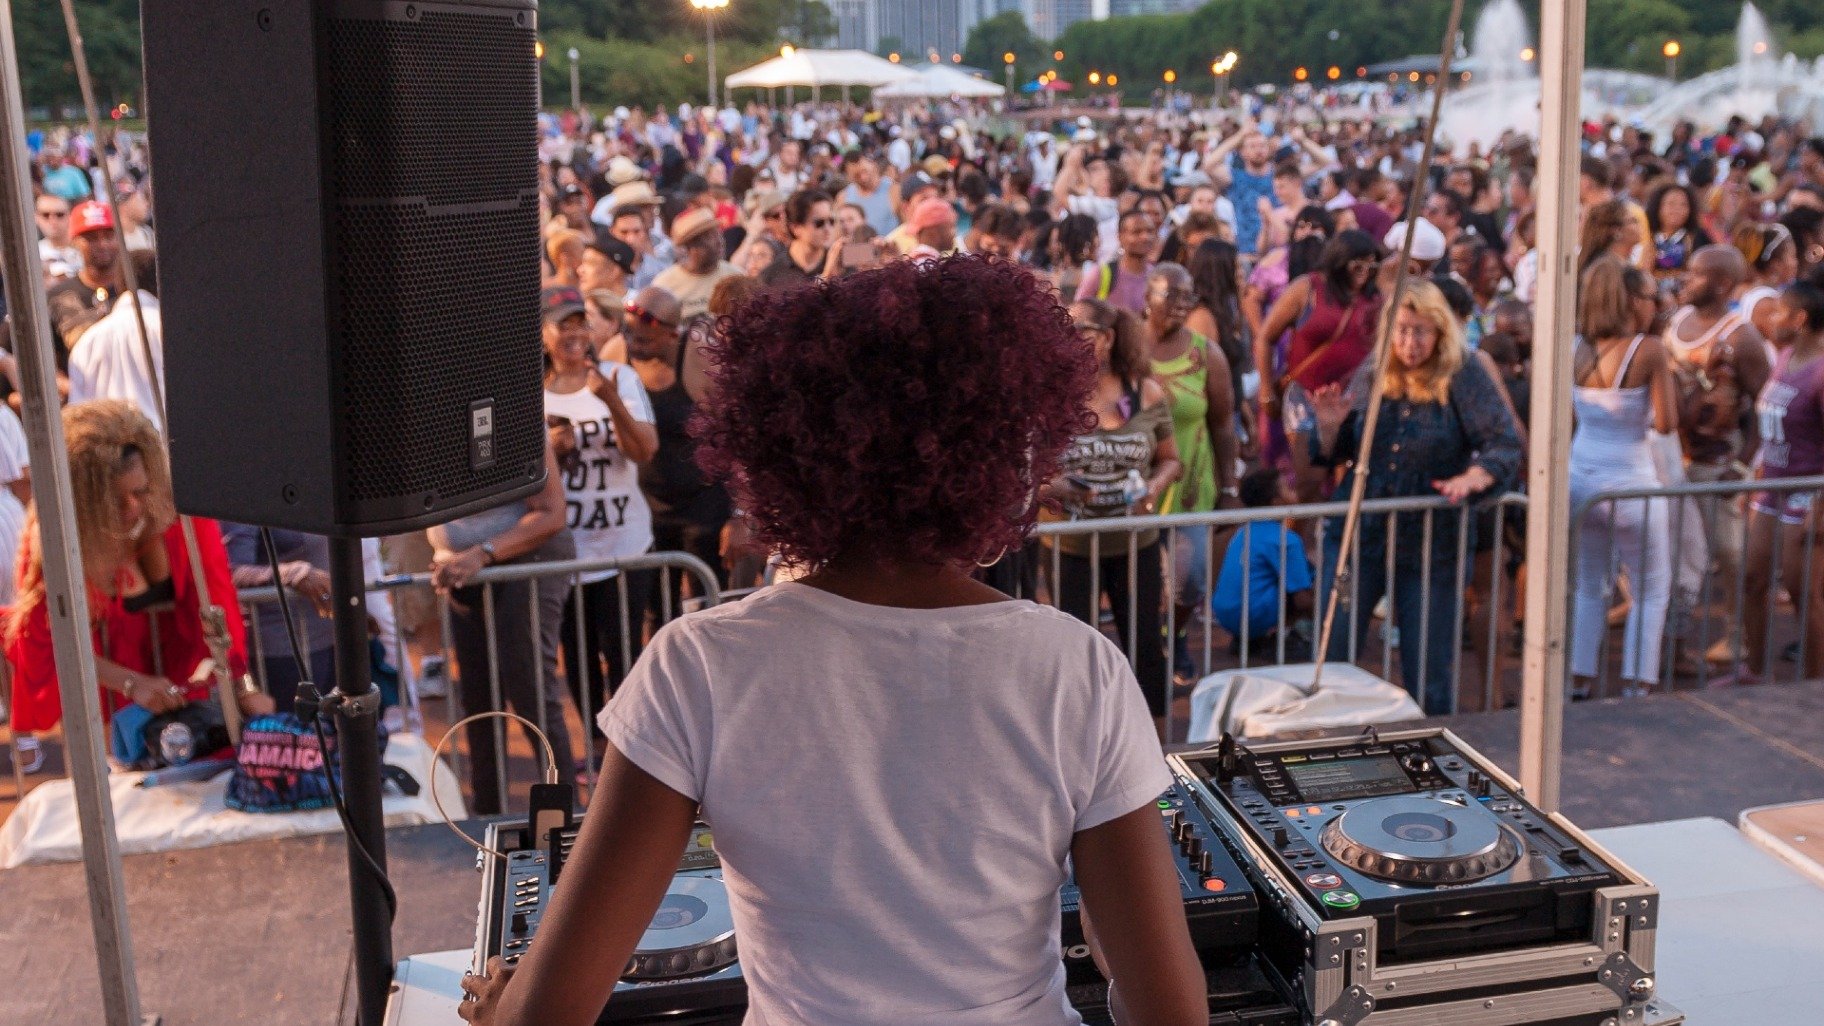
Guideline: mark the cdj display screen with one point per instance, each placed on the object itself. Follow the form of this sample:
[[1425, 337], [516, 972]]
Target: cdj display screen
[[1340, 779]]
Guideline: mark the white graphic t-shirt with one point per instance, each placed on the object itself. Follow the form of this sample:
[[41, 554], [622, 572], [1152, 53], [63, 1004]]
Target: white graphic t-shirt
[[604, 508]]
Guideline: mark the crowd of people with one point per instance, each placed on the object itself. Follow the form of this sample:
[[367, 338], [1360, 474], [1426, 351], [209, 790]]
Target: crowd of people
[[1231, 274]]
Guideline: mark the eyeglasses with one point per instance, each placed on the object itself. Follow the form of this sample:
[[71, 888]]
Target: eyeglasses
[[821, 222], [645, 316], [1176, 296], [1088, 328]]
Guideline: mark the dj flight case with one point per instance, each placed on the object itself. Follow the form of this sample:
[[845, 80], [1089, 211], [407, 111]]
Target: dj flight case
[[1335, 965]]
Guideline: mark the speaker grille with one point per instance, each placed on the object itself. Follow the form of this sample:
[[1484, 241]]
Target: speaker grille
[[444, 107], [437, 306], [424, 337]]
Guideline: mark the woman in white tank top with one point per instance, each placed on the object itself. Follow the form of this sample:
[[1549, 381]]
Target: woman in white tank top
[[1623, 394]]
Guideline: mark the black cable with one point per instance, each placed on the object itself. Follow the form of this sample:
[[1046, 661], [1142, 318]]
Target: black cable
[[309, 706], [348, 826], [291, 626]]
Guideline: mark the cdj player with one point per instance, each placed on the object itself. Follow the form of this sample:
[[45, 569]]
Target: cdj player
[[1407, 880], [685, 971]]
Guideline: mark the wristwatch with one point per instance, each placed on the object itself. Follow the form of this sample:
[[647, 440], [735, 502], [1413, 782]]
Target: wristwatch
[[488, 553]]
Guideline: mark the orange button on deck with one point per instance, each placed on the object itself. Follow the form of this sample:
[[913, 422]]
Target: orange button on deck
[[1215, 883]]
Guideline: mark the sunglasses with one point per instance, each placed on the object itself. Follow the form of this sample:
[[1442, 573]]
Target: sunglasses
[[53, 213], [1088, 328], [775, 215], [821, 222], [645, 316]]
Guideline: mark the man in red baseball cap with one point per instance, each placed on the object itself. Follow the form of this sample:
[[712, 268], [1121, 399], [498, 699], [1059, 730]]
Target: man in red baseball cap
[[78, 302]]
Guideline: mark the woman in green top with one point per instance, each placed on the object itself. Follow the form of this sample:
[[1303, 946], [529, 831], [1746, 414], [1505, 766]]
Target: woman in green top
[[1196, 377], [1122, 467]]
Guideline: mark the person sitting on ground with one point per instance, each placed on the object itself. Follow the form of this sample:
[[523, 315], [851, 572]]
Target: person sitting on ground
[[1264, 571], [146, 615], [905, 696]]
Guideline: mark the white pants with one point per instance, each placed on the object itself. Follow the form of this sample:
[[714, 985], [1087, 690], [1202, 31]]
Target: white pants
[[1631, 536]]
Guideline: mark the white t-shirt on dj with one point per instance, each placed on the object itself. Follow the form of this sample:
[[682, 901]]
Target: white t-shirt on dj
[[604, 507], [893, 794]]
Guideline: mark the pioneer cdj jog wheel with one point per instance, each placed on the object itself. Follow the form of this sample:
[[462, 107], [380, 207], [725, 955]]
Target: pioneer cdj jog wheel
[[693, 932], [1422, 841]]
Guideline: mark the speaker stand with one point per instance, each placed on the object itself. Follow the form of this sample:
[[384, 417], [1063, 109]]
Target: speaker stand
[[355, 703]]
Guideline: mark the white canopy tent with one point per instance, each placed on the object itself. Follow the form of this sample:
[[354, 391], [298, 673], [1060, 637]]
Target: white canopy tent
[[940, 80], [816, 68]]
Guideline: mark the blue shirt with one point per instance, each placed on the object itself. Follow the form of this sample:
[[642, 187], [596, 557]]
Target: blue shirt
[[68, 183], [1256, 551], [1245, 190]]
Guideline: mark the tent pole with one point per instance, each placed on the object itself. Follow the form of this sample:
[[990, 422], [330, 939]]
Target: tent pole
[[1561, 39], [66, 593]]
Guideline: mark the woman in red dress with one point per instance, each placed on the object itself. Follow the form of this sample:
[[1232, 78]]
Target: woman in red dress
[[142, 591]]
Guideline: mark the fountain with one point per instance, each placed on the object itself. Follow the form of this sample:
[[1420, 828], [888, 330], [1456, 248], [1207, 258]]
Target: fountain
[[1503, 92], [1758, 84]]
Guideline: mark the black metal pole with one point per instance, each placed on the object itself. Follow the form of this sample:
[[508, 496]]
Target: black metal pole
[[356, 706]]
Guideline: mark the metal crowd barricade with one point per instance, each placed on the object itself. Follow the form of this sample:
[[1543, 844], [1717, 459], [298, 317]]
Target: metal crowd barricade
[[669, 569], [1692, 516], [1117, 535]]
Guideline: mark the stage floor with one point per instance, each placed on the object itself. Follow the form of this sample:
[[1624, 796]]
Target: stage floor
[[259, 932]]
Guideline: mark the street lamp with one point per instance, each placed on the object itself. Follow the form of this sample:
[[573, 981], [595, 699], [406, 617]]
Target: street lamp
[[709, 9], [1057, 55], [1671, 50], [1300, 73], [1113, 80], [576, 84], [1007, 59], [1095, 78]]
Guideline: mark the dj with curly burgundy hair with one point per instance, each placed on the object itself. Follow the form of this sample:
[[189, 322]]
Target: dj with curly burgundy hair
[[897, 760]]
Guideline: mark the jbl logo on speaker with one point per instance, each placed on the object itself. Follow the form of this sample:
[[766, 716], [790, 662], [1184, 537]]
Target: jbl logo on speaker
[[481, 434]]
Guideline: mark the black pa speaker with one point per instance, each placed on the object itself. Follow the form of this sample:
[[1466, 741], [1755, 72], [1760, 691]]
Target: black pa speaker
[[347, 204]]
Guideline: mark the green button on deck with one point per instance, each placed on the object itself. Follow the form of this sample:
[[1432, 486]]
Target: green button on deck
[[1344, 900], [1165, 803]]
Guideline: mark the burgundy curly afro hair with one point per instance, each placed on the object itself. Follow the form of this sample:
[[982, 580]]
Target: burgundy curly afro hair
[[906, 412]]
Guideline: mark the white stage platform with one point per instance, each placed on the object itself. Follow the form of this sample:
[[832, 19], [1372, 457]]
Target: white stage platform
[[1740, 932]]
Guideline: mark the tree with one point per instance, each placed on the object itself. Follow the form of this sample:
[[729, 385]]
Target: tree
[[989, 41]]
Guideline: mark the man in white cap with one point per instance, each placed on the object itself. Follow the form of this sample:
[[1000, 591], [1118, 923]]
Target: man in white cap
[[1042, 154], [697, 237], [1427, 245]]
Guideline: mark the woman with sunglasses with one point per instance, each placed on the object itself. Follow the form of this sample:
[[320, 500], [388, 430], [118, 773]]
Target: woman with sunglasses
[[853, 736], [1122, 466], [601, 426], [1331, 313], [1195, 374], [811, 222]]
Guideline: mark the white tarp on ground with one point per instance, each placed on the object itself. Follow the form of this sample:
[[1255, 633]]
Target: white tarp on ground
[[1265, 700], [44, 827], [820, 68], [939, 80]]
